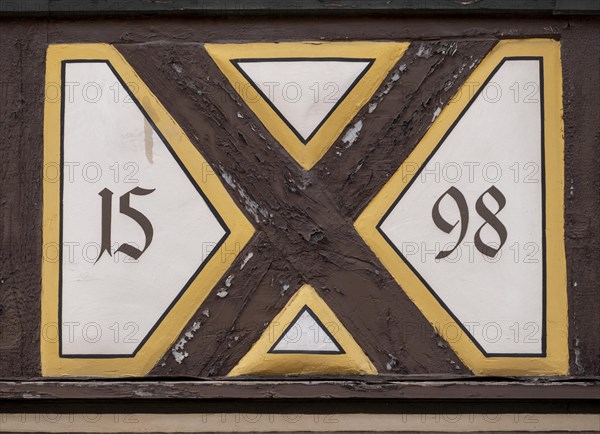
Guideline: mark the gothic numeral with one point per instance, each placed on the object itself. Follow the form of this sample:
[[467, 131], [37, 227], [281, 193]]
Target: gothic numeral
[[482, 209], [126, 209]]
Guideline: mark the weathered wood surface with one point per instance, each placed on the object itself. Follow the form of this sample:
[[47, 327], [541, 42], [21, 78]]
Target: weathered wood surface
[[299, 243], [541, 390], [305, 219]]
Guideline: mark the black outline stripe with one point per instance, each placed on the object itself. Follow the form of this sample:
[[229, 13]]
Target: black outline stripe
[[305, 308], [236, 63], [183, 168], [540, 59]]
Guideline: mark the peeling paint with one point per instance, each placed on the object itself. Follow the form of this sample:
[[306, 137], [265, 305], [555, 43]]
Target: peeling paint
[[177, 67], [424, 52], [246, 259], [392, 363], [447, 49], [571, 189], [395, 76], [436, 113], [179, 356], [178, 351], [352, 133], [577, 352], [249, 204]]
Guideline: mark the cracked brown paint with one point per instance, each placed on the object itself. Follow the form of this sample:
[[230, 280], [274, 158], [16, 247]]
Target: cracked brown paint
[[315, 239]]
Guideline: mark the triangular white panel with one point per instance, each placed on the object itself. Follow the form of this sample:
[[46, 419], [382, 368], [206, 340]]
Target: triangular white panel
[[303, 91], [111, 302], [306, 334], [485, 180]]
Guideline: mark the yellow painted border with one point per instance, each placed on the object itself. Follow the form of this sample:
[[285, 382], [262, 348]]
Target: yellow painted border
[[556, 361], [258, 361], [172, 325], [386, 55]]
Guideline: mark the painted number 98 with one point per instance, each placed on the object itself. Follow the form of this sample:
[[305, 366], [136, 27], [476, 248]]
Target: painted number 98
[[482, 209]]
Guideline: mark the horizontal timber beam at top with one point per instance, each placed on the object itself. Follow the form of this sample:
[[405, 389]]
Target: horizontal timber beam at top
[[538, 389], [59, 8]]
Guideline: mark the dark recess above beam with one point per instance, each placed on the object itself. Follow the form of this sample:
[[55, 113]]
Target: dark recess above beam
[[61, 8]]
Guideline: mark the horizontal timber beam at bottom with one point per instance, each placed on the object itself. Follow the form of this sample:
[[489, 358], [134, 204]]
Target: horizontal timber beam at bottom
[[296, 423], [252, 389]]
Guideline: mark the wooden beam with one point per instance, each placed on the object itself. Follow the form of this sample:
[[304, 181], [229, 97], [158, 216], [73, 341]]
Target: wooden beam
[[228, 7], [541, 390]]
